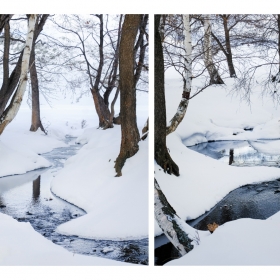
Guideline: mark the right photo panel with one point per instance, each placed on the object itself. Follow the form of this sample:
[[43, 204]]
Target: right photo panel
[[217, 139]]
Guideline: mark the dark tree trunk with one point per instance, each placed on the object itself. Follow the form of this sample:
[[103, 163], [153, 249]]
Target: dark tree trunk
[[36, 188], [3, 20], [276, 78], [162, 156], [130, 133], [101, 108], [228, 48], [36, 119]]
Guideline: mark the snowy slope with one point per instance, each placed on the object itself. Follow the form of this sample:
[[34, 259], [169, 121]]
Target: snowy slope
[[218, 114], [117, 207]]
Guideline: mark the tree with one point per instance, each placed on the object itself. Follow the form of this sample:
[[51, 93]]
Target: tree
[[207, 50], [182, 108], [36, 119], [11, 111], [162, 155], [128, 81], [97, 46], [173, 227], [3, 20]]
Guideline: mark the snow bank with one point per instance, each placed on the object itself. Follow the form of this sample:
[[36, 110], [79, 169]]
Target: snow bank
[[203, 181], [217, 114], [117, 207], [21, 245], [18, 162], [240, 242]]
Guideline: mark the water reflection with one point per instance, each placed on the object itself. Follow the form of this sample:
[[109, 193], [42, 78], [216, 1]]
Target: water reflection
[[36, 189], [231, 156], [238, 153]]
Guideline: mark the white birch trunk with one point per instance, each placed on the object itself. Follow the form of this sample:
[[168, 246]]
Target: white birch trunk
[[183, 237], [170, 223], [182, 108], [14, 106], [207, 50], [188, 56]]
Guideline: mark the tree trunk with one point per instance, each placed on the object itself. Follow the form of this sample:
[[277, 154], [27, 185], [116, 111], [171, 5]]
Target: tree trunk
[[130, 133], [36, 119], [3, 20], [228, 48], [183, 105], [172, 226], [101, 109], [14, 106], [162, 156], [207, 50], [145, 130], [9, 85]]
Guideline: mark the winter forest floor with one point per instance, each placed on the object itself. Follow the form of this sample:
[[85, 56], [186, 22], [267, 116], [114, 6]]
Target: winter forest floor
[[216, 115], [86, 180]]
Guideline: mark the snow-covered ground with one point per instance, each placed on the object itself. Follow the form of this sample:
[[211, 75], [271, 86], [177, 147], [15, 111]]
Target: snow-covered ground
[[21, 245], [215, 114], [240, 242], [117, 207]]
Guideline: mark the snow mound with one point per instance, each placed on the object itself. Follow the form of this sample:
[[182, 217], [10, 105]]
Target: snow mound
[[240, 242], [14, 162], [117, 207]]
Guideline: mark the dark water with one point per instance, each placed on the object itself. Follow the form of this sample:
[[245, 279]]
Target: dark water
[[256, 201], [28, 198]]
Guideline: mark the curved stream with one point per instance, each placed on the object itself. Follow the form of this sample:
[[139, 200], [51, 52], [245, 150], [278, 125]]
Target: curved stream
[[28, 198], [256, 201]]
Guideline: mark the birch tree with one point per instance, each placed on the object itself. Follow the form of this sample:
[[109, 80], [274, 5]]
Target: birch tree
[[182, 108], [170, 223], [11, 111]]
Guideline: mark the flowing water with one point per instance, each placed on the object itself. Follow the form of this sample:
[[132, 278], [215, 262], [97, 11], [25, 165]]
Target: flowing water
[[28, 198], [256, 201]]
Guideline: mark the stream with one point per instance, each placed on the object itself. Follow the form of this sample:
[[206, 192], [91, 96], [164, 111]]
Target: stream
[[28, 198], [256, 201]]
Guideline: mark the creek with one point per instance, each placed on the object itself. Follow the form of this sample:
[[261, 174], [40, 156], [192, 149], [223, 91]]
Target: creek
[[256, 201], [28, 198]]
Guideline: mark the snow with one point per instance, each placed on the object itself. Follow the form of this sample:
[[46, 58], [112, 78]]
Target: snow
[[21, 245], [216, 114], [117, 207], [240, 242]]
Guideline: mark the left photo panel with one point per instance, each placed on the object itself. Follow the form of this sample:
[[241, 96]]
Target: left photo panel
[[74, 139]]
